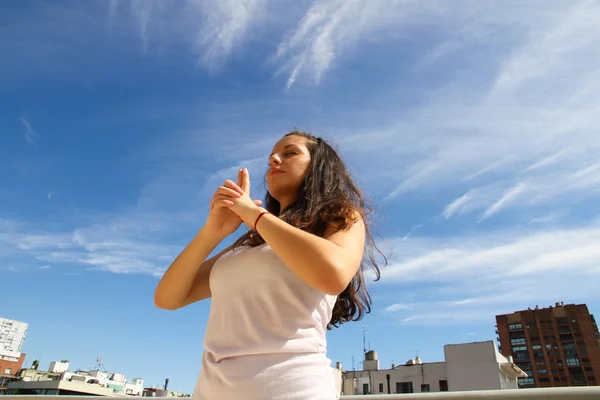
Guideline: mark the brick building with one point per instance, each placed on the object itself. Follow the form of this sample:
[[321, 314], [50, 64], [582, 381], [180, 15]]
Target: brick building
[[555, 346]]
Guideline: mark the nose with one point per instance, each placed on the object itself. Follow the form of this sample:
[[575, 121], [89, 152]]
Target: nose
[[274, 160]]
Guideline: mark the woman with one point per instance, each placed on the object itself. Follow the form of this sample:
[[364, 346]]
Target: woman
[[275, 292]]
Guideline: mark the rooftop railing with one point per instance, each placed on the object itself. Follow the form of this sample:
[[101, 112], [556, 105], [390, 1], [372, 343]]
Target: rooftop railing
[[570, 393]]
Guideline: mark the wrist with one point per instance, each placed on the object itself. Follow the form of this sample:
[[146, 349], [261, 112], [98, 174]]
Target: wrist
[[252, 215], [209, 237]]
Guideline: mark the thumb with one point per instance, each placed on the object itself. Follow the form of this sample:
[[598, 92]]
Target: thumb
[[257, 202]]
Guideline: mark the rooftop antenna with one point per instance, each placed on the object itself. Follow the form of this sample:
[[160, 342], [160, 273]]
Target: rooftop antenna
[[353, 369], [364, 331], [99, 363]]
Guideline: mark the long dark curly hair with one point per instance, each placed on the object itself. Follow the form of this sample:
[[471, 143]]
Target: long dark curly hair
[[329, 195]]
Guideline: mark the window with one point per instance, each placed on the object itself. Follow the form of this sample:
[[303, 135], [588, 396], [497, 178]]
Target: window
[[425, 388], [569, 345], [381, 388], [542, 371], [513, 327], [521, 356], [540, 363], [8, 371], [443, 386], [520, 340], [572, 361], [404, 387], [519, 348], [548, 346], [526, 381], [365, 388], [536, 347]]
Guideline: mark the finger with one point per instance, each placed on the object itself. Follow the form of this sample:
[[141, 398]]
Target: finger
[[228, 183], [220, 202], [245, 180], [223, 190], [239, 179], [257, 202]]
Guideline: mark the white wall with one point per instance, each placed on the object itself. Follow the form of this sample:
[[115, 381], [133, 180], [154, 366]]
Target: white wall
[[472, 366], [12, 334], [419, 374], [12, 356], [58, 367]]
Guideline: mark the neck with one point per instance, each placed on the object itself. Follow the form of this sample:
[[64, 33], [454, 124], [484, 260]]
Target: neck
[[285, 202]]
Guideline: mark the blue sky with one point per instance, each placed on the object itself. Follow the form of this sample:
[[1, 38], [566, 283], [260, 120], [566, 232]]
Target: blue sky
[[472, 126]]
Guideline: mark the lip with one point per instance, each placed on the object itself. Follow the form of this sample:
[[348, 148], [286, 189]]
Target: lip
[[275, 171]]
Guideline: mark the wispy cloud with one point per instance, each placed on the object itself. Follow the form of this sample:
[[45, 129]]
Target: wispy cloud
[[133, 244], [30, 135], [455, 207], [474, 276], [508, 197], [211, 29], [332, 28], [518, 132]]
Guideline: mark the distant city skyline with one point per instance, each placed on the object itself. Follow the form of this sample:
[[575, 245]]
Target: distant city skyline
[[470, 126]]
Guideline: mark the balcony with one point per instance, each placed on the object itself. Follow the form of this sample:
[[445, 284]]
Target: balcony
[[556, 393]]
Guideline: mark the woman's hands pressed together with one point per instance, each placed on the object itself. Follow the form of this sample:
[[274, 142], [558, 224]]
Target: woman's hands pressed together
[[231, 205]]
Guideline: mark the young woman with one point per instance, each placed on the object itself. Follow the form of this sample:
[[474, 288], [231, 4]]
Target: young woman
[[296, 273]]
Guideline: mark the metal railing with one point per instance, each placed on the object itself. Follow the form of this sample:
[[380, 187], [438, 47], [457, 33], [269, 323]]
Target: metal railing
[[562, 393]]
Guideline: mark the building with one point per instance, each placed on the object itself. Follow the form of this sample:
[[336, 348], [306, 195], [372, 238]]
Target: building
[[12, 337], [10, 362], [469, 366], [59, 381], [555, 346], [12, 334]]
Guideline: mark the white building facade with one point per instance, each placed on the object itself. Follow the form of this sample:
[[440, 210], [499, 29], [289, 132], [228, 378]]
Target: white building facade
[[12, 334], [467, 367]]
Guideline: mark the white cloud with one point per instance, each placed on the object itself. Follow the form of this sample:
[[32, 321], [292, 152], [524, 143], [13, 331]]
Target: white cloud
[[513, 125], [472, 277], [212, 29], [508, 197], [30, 135], [132, 244], [456, 206], [330, 28]]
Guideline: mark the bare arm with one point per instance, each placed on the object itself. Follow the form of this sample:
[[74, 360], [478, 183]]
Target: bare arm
[[326, 263], [186, 280]]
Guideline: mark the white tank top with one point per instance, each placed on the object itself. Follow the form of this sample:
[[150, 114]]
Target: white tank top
[[265, 336]]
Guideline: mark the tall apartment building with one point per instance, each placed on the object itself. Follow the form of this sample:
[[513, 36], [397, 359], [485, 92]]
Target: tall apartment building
[[555, 346], [12, 334]]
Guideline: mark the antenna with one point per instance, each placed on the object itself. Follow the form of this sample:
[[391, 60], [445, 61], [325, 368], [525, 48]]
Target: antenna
[[99, 363], [353, 369], [364, 331]]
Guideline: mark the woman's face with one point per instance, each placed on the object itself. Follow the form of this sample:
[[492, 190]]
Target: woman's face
[[288, 165]]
